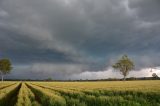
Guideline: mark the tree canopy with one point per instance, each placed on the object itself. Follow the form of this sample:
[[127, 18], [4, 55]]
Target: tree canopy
[[5, 67], [124, 65]]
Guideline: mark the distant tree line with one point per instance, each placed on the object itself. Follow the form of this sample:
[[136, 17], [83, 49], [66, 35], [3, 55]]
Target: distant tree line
[[124, 65]]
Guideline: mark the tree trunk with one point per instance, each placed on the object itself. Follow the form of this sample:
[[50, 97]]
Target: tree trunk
[[2, 77], [124, 78]]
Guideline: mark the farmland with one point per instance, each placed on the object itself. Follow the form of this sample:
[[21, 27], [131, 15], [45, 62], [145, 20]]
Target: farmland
[[111, 93]]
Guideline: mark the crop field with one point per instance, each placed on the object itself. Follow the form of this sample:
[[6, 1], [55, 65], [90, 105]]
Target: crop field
[[106, 93]]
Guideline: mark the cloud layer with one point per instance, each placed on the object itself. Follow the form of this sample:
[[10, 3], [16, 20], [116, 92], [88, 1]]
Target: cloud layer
[[73, 36]]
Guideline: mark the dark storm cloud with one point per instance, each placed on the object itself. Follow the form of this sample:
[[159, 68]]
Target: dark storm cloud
[[146, 9], [78, 35]]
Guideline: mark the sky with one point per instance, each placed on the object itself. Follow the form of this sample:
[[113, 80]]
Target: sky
[[79, 39]]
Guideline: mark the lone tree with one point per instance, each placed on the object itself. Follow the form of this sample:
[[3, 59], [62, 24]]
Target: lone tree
[[5, 67], [124, 65], [154, 75]]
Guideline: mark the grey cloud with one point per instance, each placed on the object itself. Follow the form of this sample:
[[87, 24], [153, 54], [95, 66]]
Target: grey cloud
[[46, 70], [109, 73], [146, 9], [90, 32]]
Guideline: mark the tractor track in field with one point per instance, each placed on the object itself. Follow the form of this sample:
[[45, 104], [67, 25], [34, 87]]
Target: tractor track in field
[[37, 98], [6, 86], [124, 94], [13, 98]]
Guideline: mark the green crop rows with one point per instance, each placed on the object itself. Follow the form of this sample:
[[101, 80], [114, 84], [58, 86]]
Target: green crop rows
[[114, 93]]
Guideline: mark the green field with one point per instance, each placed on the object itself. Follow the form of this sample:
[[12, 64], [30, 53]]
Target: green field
[[107, 93]]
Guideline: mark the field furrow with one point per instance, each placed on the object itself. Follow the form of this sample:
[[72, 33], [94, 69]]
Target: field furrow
[[26, 97], [47, 97], [143, 93], [106, 97], [8, 96], [6, 85]]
